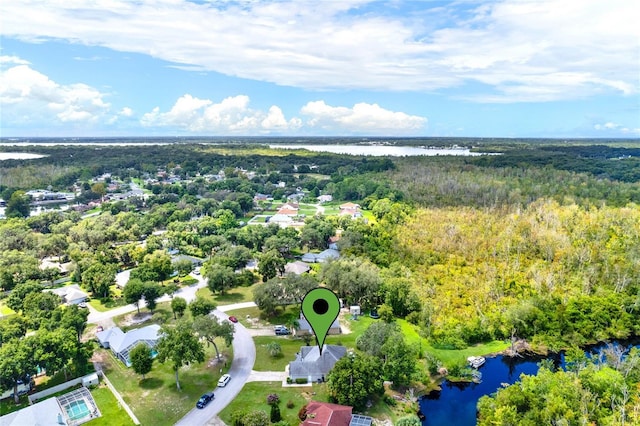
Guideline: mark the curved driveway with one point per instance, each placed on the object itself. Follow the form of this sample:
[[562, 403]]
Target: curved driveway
[[244, 356]]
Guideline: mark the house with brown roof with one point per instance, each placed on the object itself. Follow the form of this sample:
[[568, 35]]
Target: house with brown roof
[[350, 209], [326, 414]]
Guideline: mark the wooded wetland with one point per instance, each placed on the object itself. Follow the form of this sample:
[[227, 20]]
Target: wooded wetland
[[532, 251]]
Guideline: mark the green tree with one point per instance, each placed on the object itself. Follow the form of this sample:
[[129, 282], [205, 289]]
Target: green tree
[[99, 278], [16, 298], [209, 328], [410, 420], [133, 292], [270, 264], [354, 279], [17, 361], [74, 318], [18, 205], [178, 306], [354, 379], [220, 278], [151, 292], [183, 266], [274, 349], [14, 327], [141, 359], [160, 263], [400, 360], [180, 346], [375, 336], [201, 306], [39, 307]]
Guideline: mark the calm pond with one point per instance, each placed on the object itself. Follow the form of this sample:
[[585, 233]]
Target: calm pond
[[456, 403]]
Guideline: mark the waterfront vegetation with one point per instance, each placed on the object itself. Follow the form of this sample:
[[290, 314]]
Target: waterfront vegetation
[[460, 256]]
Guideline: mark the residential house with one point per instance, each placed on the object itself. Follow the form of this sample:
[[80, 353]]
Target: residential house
[[323, 256], [313, 366], [325, 198], [289, 209], [350, 209], [297, 268], [304, 328], [326, 414], [70, 294], [333, 242], [196, 261], [122, 343]]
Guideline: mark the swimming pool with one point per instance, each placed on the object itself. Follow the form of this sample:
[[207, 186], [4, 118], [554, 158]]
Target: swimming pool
[[77, 409]]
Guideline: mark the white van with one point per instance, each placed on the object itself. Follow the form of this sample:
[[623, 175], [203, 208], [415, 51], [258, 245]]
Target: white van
[[224, 380]]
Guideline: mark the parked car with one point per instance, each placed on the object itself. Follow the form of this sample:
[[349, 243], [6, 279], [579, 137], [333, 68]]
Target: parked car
[[204, 400], [197, 271], [82, 305], [224, 380], [233, 319], [281, 330]]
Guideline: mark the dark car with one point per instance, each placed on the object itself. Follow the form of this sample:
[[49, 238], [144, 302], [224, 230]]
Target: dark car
[[204, 400], [233, 319]]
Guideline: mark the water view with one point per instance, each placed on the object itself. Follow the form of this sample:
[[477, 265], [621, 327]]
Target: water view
[[19, 156], [380, 150], [455, 403]]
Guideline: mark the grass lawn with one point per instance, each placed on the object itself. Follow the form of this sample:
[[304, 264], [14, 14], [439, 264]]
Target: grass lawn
[[282, 317], [156, 400], [265, 362], [235, 295], [254, 397], [5, 310], [112, 413], [8, 405]]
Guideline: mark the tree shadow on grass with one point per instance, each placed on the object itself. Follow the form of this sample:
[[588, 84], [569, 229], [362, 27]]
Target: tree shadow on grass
[[151, 383], [230, 297]]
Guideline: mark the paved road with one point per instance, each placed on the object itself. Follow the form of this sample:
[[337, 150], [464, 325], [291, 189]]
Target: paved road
[[244, 356], [188, 293]]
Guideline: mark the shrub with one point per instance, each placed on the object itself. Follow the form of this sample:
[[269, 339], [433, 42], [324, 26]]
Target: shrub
[[301, 380], [275, 415], [290, 403], [273, 399], [302, 413]]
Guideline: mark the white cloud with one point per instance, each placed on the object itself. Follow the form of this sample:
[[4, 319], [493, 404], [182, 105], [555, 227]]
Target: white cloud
[[5, 59], [363, 118], [612, 127], [538, 50], [231, 115], [126, 112], [28, 96]]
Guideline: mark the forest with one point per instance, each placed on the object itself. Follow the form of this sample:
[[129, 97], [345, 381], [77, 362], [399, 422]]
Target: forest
[[540, 244]]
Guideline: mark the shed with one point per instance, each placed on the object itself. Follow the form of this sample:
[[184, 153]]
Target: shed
[[354, 310], [91, 380]]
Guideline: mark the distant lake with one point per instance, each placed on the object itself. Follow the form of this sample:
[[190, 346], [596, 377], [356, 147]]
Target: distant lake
[[19, 156], [380, 150]]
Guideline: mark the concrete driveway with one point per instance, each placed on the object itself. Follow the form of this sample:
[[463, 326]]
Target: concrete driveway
[[244, 356]]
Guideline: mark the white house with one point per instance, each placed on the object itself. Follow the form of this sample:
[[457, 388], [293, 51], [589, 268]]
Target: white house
[[122, 343], [70, 294]]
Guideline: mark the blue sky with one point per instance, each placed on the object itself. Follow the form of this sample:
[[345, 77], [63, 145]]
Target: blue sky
[[556, 68]]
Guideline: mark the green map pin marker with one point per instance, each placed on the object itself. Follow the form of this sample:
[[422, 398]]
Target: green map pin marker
[[320, 307]]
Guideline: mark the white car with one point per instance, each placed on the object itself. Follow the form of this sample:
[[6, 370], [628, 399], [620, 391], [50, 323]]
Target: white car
[[224, 380], [197, 271]]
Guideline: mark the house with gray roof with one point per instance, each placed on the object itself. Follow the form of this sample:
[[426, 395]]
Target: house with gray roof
[[122, 343], [70, 294], [323, 256], [313, 366], [297, 268], [304, 328]]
